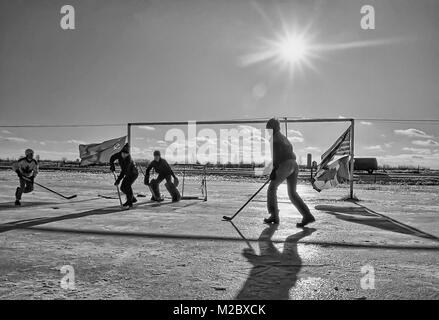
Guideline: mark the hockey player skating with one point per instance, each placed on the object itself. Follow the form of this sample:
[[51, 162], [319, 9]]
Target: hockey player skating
[[26, 169], [164, 171], [286, 168], [127, 175]]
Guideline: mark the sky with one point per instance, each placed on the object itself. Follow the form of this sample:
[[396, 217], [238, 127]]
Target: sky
[[134, 61]]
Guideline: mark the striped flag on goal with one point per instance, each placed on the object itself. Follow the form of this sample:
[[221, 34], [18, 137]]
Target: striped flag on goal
[[329, 175], [341, 147]]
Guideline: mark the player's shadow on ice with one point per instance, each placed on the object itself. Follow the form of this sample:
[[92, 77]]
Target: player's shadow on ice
[[273, 273], [363, 215], [27, 223]]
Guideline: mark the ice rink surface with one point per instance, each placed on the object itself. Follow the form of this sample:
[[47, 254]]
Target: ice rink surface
[[388, 241]]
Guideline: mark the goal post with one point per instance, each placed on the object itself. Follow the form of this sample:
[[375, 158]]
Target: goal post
[[155, 132]]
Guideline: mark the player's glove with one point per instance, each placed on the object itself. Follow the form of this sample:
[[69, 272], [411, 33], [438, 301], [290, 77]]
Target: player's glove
[[146, 180]]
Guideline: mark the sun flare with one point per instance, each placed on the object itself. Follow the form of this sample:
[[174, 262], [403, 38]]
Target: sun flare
[[295, 49], [289, 51], [292, 49]]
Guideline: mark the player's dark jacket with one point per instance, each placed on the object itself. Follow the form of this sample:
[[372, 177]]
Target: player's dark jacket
[[282, 149], [161, 167], [127, 165], [25, 167]]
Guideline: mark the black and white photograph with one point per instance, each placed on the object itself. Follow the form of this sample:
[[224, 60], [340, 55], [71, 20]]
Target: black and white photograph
[[219, 150]]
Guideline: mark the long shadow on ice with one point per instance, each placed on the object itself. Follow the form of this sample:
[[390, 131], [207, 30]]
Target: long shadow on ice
[[363, 215], [26, 223], [273, 273]]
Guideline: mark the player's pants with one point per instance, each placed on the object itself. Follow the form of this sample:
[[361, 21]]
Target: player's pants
[[26, 186], [159, 180], [161, 177], [287, 170], [173, 191], [126, 188]]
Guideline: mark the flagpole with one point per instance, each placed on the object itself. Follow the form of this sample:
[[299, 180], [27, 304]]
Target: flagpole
[[351, 173], [129, 135]]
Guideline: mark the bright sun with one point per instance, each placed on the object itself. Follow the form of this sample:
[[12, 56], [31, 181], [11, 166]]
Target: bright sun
[[292, 52], [292, 49]]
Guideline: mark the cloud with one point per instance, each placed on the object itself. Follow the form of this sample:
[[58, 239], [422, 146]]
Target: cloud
[[388, 144], [374, 148], [76, 141], [366, 123], [295, 133], [417, 150], [6, 132], [296, 139], [149, 128], [412, 133], [295, 136], [426, 143], [14, 139], [50, 141]]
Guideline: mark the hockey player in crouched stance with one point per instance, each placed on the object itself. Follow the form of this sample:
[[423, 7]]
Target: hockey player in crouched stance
[[164, 171], [26, 169]]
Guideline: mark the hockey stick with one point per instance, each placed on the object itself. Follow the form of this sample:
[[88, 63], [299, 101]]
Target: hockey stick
[[106, 197], [226, 218], [117, 187], [48, 189]]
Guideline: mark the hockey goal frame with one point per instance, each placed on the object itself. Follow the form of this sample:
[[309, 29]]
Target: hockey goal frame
[[284, 120]]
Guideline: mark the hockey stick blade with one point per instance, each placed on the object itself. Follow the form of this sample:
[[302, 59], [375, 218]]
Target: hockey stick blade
[[106, 197]]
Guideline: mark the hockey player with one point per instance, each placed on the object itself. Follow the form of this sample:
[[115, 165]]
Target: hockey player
[[128, 173], [286, 168], [26, 169], [164, 171]]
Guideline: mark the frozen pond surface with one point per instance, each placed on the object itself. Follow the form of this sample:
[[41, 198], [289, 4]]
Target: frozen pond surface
[[184, 250]]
